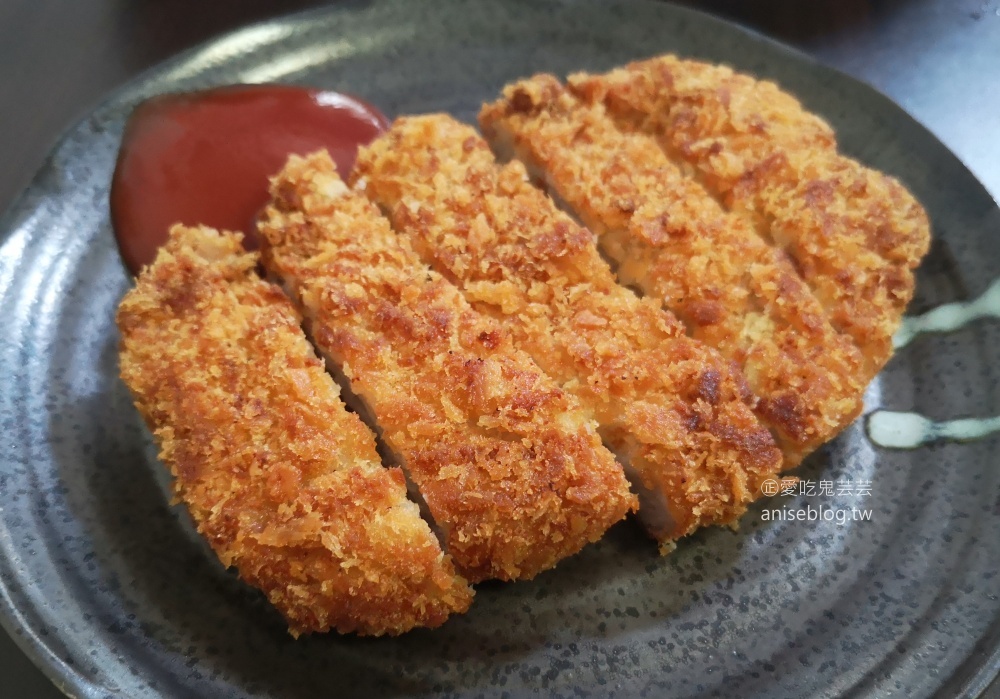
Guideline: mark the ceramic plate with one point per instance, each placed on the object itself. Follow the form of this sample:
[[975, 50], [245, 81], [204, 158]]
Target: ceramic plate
[[107, 587]]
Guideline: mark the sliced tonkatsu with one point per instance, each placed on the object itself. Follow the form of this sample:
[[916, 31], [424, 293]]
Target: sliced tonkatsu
[[670, 407], [510, 466], [673, 240], [283, 481], [854, 234]]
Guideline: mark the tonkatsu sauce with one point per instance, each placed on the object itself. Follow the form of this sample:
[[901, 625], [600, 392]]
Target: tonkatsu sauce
[[205, 157]]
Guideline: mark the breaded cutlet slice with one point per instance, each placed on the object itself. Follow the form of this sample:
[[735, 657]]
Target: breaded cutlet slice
[[283, 481], [672, 240], [509, 465], [854, 234], [671, 408]]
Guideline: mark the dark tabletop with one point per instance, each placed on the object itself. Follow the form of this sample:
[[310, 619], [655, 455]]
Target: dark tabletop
[[939, 59]]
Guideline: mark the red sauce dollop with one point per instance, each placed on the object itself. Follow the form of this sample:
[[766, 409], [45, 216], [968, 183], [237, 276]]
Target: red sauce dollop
[[205, 157]]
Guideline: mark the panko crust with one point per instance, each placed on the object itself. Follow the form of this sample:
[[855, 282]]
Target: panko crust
[[282, 481], [674, 241], [667, 404], [511, 469], [854, 234]]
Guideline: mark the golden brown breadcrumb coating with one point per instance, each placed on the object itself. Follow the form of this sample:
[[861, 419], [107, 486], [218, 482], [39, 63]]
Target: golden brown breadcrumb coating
[[509, 465], [854, 234], [283, 482], [669, 406], [670, 238]]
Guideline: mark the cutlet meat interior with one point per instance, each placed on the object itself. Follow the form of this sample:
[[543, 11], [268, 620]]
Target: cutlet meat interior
[[509, 464], [671, 239], [670, 407], [279, 477]]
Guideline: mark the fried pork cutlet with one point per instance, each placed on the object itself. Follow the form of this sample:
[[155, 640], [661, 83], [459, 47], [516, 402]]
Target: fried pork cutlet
[[510, 467], [669, 406], [854, 234], [670, 238], [284, 483]]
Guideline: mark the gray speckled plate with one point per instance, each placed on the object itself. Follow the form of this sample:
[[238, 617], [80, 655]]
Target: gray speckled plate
[[109, 590]]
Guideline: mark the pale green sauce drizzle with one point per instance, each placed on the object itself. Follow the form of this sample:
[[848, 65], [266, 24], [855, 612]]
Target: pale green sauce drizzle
[[894, 430], [909, 430], [950, 316]]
